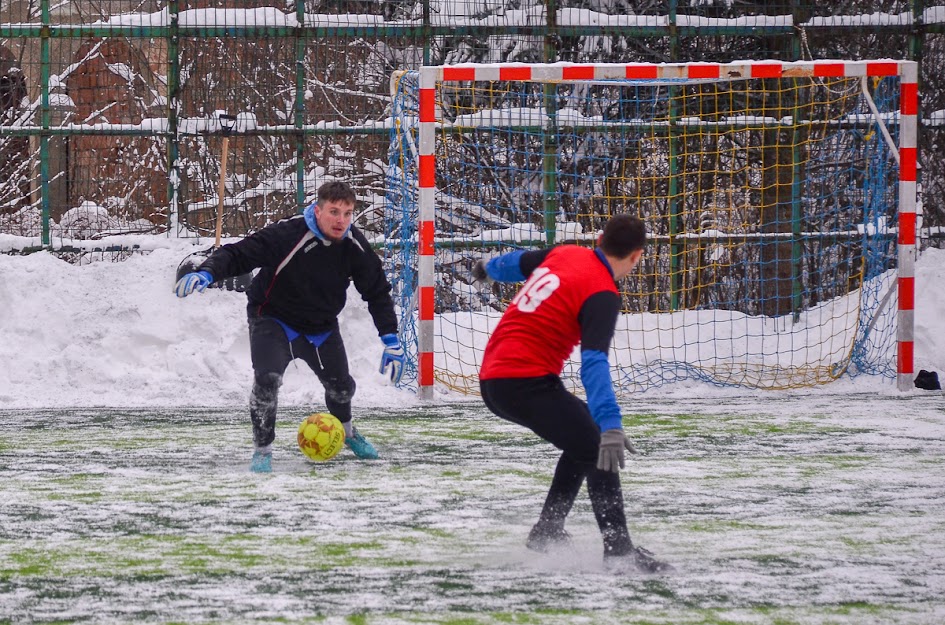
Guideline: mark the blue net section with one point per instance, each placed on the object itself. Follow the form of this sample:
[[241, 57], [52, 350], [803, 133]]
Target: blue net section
[[401, 217]]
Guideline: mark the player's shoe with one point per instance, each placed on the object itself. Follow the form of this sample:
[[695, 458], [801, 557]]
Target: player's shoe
[[638, 559], [261, 462], [544, 539], [360, 446]]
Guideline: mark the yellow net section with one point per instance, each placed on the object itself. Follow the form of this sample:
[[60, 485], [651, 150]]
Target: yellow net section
[[770, 206]]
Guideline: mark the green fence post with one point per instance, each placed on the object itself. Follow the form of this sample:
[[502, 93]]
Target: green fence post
[[674, 220], [797, 171], [173, 108], [427, 32], [549, 132], [797, 213], [44, 44], [299, 106]]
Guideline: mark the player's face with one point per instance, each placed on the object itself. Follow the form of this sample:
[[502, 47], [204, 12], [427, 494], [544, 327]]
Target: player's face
[[334, 218]]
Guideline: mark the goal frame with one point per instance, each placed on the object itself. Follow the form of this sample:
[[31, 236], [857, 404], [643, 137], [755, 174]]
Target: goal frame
[[430, 76]]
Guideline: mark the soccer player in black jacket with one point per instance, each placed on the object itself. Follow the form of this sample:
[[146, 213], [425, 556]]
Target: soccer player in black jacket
[[305, 265]]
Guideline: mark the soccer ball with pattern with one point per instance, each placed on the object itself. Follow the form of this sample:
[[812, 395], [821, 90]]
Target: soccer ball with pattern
[[321, 436]]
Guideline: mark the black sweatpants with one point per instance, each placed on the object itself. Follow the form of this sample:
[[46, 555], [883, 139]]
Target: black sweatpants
[[271, 353], [546, 408]]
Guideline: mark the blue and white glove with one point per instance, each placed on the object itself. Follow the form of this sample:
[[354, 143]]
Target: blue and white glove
[[198, 280], [393, 357]]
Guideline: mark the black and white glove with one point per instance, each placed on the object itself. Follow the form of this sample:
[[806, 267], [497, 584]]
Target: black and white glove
[[479, 273], [612, 445]]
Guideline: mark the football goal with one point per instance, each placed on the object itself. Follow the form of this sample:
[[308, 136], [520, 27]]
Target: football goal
[[779, 200]]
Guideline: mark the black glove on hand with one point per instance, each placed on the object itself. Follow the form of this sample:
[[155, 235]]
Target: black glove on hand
[[612, 445], [479, 273]]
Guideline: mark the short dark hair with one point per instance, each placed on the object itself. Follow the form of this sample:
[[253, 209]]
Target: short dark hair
[[336, 191], [623, 235]]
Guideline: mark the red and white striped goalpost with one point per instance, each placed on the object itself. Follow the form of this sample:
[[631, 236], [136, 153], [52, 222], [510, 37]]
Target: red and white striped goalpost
[[565, 72]]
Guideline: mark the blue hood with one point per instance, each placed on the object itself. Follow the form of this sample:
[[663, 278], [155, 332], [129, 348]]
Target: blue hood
[[309, 214]]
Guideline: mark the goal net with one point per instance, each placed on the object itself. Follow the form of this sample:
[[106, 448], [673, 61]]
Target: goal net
[[779, 200]]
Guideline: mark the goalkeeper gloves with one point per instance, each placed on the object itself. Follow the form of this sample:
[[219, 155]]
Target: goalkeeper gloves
[[198, 280], [479, 273], [612, 445], [393, 358]]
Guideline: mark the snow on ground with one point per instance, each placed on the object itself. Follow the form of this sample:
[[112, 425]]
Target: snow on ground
[[114, 334]]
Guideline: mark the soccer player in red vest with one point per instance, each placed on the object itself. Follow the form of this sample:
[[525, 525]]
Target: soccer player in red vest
[[570, 296]]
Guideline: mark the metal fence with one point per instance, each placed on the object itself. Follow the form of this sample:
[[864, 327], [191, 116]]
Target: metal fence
[[110, 111]]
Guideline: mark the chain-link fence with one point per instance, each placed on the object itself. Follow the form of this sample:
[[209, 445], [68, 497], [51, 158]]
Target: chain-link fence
[[110, 112]]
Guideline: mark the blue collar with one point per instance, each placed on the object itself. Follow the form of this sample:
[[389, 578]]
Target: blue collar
[[603, 259], [309, 214]]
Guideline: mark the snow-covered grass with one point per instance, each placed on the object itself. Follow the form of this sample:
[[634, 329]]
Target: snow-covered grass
[[125, 495], [775, 508]]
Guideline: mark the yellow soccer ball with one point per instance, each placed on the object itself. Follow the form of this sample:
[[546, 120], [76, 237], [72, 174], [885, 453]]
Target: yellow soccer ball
[[321, 436]]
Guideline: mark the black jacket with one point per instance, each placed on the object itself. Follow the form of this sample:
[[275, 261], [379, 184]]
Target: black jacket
[[310, 291]]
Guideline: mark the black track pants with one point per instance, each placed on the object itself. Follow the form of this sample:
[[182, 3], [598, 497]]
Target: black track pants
[[546, 408], [271, 353]]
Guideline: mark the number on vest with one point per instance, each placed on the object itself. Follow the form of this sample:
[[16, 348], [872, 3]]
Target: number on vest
[[539, 287]]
